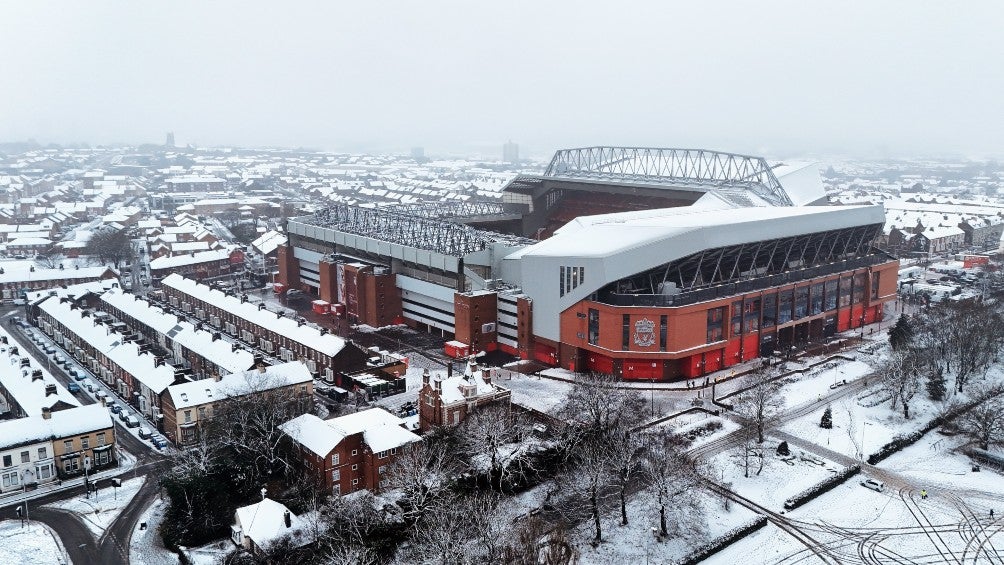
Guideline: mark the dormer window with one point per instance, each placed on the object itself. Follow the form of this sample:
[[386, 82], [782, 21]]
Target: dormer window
[[184, 397]]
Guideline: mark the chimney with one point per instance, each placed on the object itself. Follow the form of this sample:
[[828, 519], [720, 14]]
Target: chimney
[[261, 305], [50, 389], [324, 331], [244, 298], [486, 375], [233, 347], [36, 375], [287, 519], [261, 367], [216, 336], [425, 377], [46, 413], [437, 383]]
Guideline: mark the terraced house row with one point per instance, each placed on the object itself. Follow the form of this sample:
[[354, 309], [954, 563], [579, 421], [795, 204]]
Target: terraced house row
[[273, 333]]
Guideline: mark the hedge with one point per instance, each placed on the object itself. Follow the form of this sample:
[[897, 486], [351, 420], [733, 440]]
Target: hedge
[[712, 547], [902, 441], [821, 487]]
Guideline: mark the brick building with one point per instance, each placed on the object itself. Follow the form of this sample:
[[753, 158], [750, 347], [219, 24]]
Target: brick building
[[349, 453], [448, 401]]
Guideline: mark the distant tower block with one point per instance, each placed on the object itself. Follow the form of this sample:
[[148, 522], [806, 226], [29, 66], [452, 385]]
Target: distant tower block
[[510, 152], [170, 139]]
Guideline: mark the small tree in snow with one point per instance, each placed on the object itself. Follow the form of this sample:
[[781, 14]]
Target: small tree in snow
[[826, 422], [672, 477], [901, 334], [936, 385], [782, 448], [761, 402], [984, 424]]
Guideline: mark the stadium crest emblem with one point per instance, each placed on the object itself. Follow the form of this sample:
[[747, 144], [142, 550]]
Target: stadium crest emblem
[[644, 333]]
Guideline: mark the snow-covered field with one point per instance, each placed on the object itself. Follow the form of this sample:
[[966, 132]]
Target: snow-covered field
[[637, 543], [779, 479], [33, 544], [146, 547], [99, 511]]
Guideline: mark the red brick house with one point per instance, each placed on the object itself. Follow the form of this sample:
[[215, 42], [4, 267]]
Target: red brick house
[[447, 401], [352, 452]]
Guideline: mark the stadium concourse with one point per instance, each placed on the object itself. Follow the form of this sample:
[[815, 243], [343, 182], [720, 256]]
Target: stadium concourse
[[661, 264]]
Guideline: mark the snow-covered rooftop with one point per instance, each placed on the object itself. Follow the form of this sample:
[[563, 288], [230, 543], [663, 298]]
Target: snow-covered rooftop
[[238, 384]]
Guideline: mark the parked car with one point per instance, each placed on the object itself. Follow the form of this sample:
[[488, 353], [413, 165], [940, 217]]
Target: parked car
[[159, 442], [73, 387], [145, 433], [877, 486], [72, 373], [79, 376], [114, 407], [87, 384], [132, 422], [123, 415], [48, 349]]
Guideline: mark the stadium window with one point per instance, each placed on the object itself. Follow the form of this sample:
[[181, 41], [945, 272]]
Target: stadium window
[[858, 294], [875, 285], [844, 297], [751, 323], [594, 326], [737, 317], [816, 299], [716, 324], [769, 310], [801, 302], [625, 332], [561, 281], [830, 290], [784, 306], [663, 332]]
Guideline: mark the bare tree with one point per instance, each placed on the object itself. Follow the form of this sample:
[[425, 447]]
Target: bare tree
[[626, 452], [668, 472], [495, 438], [898, 375], [761, 401], [50, 260], [464, 530], [110, 246], [984, 424], [587, 483], [600, 403], [423, 475]]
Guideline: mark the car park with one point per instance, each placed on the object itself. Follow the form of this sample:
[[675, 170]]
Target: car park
[[877, 486], [132, 422]]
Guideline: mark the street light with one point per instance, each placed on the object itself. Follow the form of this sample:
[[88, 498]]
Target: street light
[[652, 390], [863, 424]]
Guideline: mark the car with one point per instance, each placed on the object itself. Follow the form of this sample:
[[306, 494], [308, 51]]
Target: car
[[132, 422], [145, 433], [88, 385], [20, 256], [72, 373], [877, 486], [294, 293], [59, 359], [48, 349], [79, 376], [159, 442], [123, 415], [115, 408], [73, 387]]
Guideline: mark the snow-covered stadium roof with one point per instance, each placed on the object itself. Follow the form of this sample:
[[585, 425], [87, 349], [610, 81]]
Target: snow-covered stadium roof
[[610, 247]]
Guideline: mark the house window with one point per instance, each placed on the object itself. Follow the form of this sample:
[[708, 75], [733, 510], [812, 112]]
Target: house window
[[101, 438], [355, 467], [10, 479], [355, 452], [68, 445], [85, 442], [336, 475], [188, 416], [381, 469], [202, 412], [334, 459], [393, 451], [43, 453], [44, 472], [7, 462], [355, 482], [383, 455], [25, 457], [337, 489]]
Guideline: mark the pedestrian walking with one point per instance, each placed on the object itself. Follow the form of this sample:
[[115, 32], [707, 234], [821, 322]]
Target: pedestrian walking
[[991, 513], [923, 494]]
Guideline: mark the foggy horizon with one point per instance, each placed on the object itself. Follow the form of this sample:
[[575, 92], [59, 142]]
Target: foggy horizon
[[777, 78]]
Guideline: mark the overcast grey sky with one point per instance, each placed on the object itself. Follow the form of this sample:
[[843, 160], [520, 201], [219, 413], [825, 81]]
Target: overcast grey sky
[[775, 77]]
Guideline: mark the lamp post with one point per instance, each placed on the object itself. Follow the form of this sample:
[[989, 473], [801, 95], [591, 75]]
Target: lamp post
[[863, 424], [652, 390]]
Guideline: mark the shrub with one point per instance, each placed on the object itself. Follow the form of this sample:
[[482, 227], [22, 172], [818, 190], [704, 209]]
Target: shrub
[[821, 487], [702, 552], [826, 422]]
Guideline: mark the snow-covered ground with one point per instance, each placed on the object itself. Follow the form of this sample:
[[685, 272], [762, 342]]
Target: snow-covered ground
[[146, 546], [546, 395], [779, 479], [690, 526], [210, 553], [99, 511], [31, 544]]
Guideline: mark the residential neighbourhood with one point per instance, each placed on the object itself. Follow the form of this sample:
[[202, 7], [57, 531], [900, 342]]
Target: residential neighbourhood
[[501, 283]]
